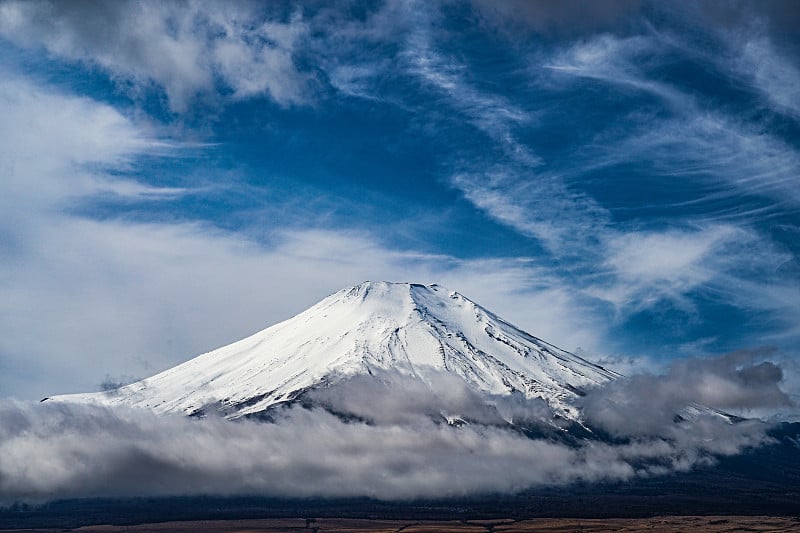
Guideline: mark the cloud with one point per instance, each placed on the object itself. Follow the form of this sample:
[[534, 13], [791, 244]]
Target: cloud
[[397, 448], [664, 255], [557, 18], [730, 158], [616, 61], [773, 75], [391, 398], [649, 267], [188, 49], [693, 141], [776, 17], [47, 135], [490, 113], [539, 205], [504, 191], [747, 383]]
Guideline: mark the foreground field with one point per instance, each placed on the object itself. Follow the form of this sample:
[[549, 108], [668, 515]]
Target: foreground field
[[652, 525]]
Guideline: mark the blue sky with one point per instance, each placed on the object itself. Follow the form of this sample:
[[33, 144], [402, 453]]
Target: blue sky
[[620, 178]]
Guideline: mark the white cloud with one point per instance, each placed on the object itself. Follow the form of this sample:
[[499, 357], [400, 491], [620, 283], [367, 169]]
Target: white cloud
[[770, 73], [539, 205], [50, 141], [726, 263], [616, 61], [494, 115], [186, 48], [50, 451], [654, 266], [662, 255], [420, 57]]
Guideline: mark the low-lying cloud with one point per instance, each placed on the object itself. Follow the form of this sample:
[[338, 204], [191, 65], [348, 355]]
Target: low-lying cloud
[[743, 383], [396, 442]]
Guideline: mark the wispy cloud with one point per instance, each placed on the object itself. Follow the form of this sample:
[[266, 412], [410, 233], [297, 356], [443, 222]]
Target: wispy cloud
[[616, 61], [727, 156], [492, 114], [773, 75], [697, 141], [649, 267], [537, 204]]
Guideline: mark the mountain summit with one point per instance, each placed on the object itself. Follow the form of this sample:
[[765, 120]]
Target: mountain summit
[[373, 327]]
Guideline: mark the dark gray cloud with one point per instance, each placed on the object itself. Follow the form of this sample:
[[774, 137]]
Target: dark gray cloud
[[397, 445], [781, 17], [558, 17], [742, 383], [569, 18], [114, 382]]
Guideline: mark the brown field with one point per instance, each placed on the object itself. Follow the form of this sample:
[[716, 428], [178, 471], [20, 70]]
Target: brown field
[[334, 525]]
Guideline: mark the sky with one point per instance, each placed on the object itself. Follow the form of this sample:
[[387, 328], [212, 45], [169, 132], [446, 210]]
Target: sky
[[619, 178]]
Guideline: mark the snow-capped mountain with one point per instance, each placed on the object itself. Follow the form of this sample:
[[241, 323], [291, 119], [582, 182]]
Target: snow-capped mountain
[[372, 327]]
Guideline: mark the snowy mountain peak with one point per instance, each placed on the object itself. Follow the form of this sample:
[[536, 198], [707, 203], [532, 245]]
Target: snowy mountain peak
[[372, 327]]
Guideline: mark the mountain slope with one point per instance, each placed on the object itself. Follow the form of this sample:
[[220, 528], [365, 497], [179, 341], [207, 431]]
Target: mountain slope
[[374, 326]]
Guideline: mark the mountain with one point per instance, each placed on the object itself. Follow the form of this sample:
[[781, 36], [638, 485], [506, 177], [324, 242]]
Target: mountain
[[374, 327]]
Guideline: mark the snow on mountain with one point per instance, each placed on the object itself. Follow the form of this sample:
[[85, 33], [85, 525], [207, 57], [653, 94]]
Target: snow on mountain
[[372, 327]]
